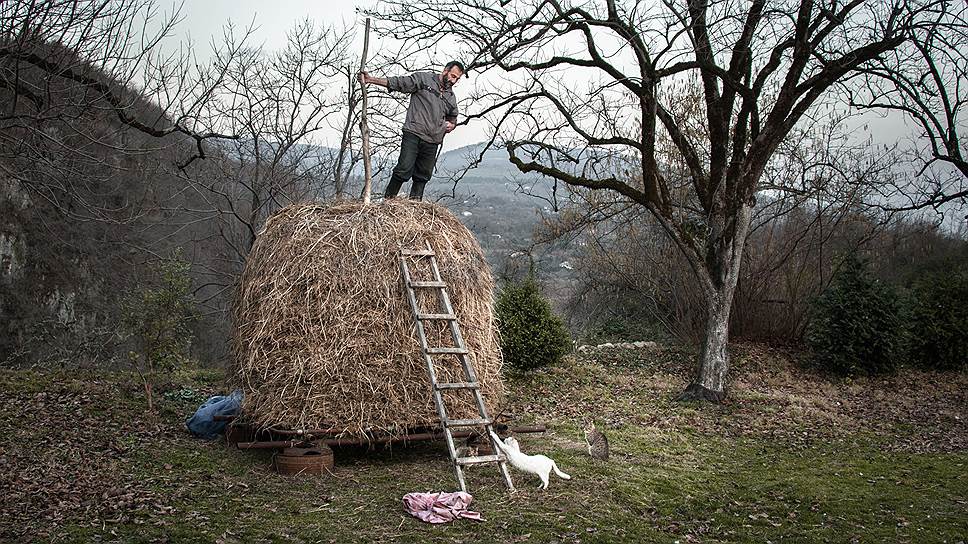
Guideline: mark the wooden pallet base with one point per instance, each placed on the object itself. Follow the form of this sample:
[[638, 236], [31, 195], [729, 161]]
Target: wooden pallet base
[[295, 440]]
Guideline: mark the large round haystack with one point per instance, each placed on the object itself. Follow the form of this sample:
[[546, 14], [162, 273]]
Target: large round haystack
[[325, 338]]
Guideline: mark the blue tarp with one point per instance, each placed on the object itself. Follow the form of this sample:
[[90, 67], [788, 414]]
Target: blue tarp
[[203, 424]]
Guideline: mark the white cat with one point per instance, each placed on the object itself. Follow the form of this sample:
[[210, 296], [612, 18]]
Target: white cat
[[535, 464]]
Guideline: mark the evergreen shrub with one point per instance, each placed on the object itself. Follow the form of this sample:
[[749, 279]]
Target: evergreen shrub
[[855, 327], [532, 335], [939, 322]]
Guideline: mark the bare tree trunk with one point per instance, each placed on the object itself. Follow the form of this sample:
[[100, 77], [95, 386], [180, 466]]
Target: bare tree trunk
[[710, 381], [149, 393], [145, 379]]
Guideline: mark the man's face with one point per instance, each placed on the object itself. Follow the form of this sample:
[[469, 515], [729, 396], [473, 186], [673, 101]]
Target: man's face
[[449, 77]]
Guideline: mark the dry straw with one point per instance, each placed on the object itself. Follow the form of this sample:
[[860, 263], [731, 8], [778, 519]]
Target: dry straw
[[324, 334]]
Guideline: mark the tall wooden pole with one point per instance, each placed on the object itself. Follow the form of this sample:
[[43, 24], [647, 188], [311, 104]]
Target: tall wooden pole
[[368, 181]]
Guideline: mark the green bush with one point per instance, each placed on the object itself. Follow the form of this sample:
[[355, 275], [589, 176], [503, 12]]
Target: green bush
[[855, 327], [532, 336], [939, 321], [157, 319]]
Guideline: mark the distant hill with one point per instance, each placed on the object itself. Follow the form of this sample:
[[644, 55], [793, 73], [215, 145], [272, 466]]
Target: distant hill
[[492, 199]]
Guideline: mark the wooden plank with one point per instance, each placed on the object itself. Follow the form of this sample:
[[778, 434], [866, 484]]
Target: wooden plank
[[447, 351], [364, 128], [466, 422], [479, 460], [437, 317], [428, 284], [458, 385]]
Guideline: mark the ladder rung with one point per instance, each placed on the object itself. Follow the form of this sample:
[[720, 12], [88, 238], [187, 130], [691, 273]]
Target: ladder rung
[[458, 385], [466, 422], [479, 460], [440, 284], [447, 351], [439, 317], [417, 252]]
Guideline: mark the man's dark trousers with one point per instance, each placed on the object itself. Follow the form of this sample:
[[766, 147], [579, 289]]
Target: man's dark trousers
[[417, 159]]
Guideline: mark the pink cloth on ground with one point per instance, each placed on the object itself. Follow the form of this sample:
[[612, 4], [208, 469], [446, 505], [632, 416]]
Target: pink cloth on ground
[[440, 507]]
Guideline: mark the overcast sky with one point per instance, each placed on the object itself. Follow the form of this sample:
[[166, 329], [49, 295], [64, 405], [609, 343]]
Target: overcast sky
[[204, 19]]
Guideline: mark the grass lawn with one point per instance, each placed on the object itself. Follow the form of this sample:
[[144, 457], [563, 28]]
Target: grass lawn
[[791, 457]]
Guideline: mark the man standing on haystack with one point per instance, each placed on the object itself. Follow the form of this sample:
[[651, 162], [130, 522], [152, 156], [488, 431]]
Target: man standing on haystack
[[432, 114]]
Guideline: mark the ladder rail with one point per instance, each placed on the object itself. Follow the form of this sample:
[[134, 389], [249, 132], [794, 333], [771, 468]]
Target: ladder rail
[[456, 335], [428, 360], [444, 299], [460, 350]]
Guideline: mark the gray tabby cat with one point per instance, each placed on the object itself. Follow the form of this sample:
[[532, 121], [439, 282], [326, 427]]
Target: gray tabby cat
[[597, 443]]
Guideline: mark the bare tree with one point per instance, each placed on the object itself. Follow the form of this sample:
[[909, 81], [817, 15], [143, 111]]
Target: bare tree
[[814, 189], [345, 156], [62, 60], [280, 104], [95, 106], [925, 80], [597, 75]]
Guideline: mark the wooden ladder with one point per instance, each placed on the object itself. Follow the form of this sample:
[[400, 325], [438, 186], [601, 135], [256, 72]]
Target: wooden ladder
[[459, 350]]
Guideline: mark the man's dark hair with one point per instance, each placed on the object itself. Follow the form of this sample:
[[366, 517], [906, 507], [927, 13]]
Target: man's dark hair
[[458, 64]]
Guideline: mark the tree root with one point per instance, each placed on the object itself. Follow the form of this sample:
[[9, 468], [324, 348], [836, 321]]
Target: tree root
[[697, 392]]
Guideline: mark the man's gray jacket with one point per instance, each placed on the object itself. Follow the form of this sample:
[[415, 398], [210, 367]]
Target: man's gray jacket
[[430, 106]]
